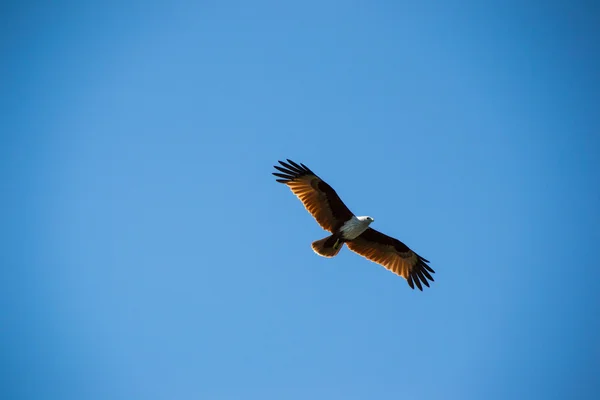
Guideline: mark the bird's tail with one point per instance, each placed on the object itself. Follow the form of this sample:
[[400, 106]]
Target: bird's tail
[[329, 246]]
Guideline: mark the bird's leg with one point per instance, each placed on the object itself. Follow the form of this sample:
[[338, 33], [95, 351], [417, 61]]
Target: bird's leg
[[337, 244]]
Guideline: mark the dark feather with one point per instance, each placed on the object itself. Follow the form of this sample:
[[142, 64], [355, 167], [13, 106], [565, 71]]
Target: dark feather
[[423, 279], [410, 282], [296, 165], [285, 171], [290, 177], [417, 282], [427, 266], [291, 168], [424, 271]]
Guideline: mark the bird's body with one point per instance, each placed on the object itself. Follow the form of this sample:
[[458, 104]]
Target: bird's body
[[355, 226], [332, 214]]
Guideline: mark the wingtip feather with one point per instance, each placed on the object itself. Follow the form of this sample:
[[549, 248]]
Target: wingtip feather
[[418, 283], [428, 268], [292, 168], [422, 278]]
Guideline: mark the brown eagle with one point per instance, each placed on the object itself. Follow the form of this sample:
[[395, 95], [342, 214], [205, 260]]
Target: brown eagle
[[332, 214]]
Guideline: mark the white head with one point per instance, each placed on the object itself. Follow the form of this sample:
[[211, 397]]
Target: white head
[[366, 219]]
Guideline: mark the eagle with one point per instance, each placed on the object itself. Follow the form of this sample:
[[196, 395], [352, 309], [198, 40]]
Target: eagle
[[334, 216]]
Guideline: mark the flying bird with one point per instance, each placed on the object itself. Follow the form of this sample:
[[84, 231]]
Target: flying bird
[[332, 215]]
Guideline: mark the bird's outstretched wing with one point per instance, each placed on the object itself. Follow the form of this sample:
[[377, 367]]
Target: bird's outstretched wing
[[393, 255], [316, 195]]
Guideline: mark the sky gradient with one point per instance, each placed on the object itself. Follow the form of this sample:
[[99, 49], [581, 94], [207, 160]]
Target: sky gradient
[[150, 254]]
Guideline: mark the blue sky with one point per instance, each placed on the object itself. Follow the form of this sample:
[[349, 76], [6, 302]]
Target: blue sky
[[150, 254]]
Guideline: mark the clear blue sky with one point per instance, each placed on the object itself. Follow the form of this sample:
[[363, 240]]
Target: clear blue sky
[[148, 252]]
